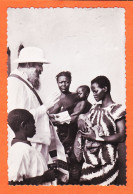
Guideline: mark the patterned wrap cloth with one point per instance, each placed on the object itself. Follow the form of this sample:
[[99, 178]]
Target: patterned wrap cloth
[[100, 159]]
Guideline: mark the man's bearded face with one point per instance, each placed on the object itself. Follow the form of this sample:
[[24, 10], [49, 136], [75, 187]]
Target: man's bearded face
[[34, 74]]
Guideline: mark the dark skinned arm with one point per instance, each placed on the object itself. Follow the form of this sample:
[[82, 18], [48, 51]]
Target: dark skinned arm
[[119, 137], [77, 111], [55, 109]]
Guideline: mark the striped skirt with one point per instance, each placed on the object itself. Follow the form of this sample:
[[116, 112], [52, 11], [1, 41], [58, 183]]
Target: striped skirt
[[99, 175]]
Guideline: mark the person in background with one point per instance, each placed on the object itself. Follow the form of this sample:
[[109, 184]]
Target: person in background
[[67, 132], [67, 102], [110, 117], [82, 107], [26, 165]]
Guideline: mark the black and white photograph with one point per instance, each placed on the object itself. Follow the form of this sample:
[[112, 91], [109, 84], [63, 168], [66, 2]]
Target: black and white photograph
[[66, 96]]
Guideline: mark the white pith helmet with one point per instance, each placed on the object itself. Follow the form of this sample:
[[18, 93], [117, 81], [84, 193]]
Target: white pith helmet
[[31, 54]]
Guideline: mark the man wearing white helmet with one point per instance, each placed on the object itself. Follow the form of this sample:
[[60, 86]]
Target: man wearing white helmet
[[22, 83]]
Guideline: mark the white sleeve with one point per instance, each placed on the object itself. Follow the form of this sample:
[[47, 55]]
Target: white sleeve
[[38, 112], [16, 94], [16, 167], [17, 98]]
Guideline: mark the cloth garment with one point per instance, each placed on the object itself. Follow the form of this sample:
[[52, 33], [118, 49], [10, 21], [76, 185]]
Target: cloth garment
[[102, 167], [24, 161], [57, 154], [89, 146], [67, 134], [21, 96], [33, 90]]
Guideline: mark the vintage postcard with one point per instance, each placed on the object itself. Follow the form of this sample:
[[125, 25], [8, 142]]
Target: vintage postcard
[[66, 79]]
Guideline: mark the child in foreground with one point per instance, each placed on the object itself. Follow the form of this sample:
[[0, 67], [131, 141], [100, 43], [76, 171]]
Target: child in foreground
[[26, 166]]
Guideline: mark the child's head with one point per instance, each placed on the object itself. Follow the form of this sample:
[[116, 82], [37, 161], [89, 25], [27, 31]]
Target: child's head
[[21, 120], [83, 92]]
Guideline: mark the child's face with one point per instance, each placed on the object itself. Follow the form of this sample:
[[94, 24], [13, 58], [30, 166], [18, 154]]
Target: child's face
[[81, 93], [30, 128]]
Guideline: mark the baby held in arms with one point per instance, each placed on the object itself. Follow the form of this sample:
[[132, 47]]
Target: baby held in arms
[[82, 107]]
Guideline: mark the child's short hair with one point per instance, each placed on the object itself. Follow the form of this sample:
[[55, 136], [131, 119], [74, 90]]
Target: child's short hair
[[102, 81], [64, 73], [85, 88], [17, 116]]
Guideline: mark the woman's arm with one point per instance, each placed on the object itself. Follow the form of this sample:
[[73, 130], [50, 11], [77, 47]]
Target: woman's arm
[[119, 137]]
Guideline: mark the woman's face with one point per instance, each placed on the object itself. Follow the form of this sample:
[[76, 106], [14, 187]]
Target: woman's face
[[64, 84], [98, 93]]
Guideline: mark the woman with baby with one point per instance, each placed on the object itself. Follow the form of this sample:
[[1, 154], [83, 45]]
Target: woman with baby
[[101, 129]]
